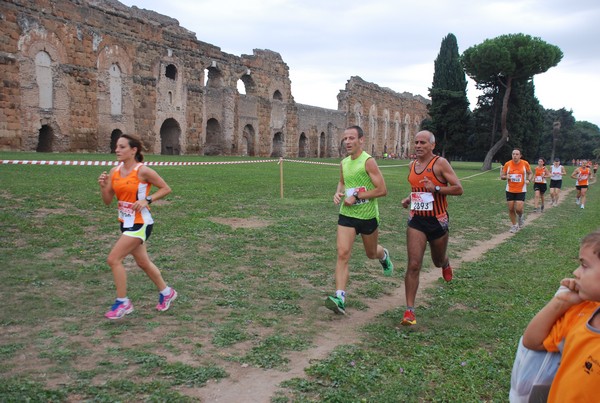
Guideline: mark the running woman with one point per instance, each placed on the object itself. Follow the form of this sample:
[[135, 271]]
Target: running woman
[[130, 182]]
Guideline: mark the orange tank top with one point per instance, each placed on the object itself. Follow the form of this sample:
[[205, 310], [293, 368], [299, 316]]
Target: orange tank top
[[582, 178], [128, 190], [420, 196], [540, 175]]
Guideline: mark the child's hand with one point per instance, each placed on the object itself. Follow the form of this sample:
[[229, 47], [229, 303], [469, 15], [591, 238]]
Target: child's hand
[[568, 291]]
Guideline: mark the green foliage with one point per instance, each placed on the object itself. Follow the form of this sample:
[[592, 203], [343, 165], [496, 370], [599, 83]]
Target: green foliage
[[501, 61], [449, 109], [518, 56]]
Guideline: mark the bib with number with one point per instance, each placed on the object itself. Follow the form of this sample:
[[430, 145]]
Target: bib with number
[[350, 192], [126, 213], [421, 201]]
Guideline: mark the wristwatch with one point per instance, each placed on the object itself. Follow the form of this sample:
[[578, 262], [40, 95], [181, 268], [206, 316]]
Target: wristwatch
[[355, 194], [149, 199], [437, 189]]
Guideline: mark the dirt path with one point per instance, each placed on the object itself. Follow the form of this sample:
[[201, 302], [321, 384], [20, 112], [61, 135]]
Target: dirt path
[[248, 384]]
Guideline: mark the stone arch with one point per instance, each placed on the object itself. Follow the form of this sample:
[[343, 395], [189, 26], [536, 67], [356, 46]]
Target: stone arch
[[170, 134], [277, 96], [248, 138], [45, 139], [214, 135], [114, 136], [303, 149], [248, 84], [214, 77], [278, 145]]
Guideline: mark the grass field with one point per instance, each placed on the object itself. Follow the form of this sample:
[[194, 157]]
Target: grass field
[[252, 270]]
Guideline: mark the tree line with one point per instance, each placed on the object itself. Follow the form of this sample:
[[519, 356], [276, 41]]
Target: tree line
[[507, 115]]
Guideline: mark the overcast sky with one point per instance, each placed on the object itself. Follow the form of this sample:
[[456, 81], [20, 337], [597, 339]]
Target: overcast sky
[[393, 43]]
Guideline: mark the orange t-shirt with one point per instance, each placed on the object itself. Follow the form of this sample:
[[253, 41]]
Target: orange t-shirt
[[582, 178], [516, 175], [578, 376]]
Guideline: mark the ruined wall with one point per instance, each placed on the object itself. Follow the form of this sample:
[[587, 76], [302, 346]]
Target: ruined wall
[[77, 73]]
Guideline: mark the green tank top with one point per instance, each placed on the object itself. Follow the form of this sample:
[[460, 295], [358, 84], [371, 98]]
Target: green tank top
[[356, 177]]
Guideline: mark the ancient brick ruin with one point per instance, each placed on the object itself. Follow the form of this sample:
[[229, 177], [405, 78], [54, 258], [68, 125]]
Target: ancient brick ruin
[[78, 73]]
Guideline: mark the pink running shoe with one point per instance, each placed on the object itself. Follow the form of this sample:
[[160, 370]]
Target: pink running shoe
[[165, 302], [119, 309]]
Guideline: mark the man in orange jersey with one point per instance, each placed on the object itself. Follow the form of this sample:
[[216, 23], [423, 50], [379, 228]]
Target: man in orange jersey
[[431, 179], [518, 174], [582, 174]]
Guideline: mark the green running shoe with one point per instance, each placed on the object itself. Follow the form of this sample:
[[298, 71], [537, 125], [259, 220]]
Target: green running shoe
[[336, 305], [386, 263]]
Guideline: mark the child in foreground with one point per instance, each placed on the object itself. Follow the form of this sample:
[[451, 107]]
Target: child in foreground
[[572, 318]]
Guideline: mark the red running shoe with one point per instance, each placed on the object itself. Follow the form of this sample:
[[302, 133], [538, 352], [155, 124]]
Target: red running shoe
[[447, 273]]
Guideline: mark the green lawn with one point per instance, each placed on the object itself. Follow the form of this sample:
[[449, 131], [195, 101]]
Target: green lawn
[[252, 270]]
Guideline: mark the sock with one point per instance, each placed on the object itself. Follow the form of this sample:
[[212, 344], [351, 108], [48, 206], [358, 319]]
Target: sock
[[410, 308], [385, 256], [166, 291], [341, 294], [123, 300]]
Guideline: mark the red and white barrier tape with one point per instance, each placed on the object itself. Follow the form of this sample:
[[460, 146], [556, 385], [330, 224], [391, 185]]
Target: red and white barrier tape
[[150, 163]]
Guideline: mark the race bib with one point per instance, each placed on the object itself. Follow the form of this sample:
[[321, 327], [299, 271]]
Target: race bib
[[350, 192], [539, 179], [421, 201], [517, 178], [583, 177], [126, 213]]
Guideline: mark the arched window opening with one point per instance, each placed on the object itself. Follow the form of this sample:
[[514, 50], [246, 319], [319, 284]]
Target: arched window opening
[[45, 139], [114, 136], [322, 145], [170, 98], [248, 141], [249, 84], [241, 87], [303, 146], [170, 133], [277, 95], [277, 145], [43, 77], [116, 90], [214, 138], [171, 72]]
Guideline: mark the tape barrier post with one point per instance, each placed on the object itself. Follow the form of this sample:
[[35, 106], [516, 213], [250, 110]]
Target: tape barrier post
[[281, 176]]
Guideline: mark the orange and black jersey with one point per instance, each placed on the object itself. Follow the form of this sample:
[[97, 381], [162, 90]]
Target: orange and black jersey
[[440, 204]]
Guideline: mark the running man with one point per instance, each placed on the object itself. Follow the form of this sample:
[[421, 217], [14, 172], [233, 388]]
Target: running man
[[431, 179], [361, 183], [582, 175], [518, 174]]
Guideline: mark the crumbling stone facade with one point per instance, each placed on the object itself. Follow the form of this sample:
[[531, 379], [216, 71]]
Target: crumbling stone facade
[[78, 73]]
